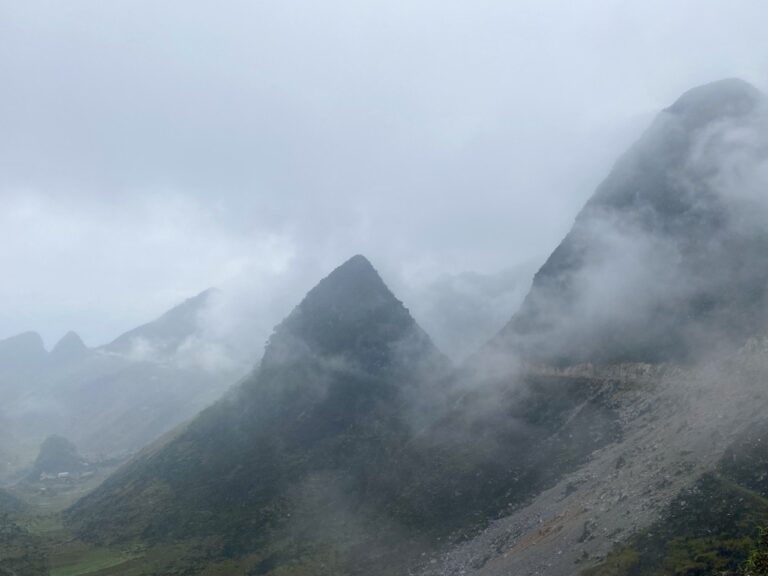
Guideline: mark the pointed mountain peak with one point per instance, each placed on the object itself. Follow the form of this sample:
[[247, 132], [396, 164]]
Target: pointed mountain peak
[[70, 347], [357, 262], [350, 313], [356, 274], [725, 98]]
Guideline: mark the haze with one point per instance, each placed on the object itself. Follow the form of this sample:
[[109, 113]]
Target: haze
[[150, 151]]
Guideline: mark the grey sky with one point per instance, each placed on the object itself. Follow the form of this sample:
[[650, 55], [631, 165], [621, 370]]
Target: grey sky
[[150, 150]]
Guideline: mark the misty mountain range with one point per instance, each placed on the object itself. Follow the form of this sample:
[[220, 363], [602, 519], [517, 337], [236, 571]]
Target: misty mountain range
[[113, 399], [109, 400], [596, 433]]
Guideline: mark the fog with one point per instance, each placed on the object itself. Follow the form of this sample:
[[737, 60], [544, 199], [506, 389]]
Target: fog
[[554, 345], [149, 152]]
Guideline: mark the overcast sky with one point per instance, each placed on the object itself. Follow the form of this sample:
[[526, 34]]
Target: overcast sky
[[149, 150]]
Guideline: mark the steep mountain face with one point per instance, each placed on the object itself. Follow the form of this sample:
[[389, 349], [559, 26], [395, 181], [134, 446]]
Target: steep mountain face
[[670, 254], [162, 338], [665, 265], [293, 454]]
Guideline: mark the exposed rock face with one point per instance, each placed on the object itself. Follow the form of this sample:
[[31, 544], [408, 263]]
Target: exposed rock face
[[669, 256], [676, 425]]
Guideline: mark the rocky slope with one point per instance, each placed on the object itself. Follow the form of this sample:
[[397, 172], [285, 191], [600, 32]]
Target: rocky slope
[[666, 264], [675, 426]]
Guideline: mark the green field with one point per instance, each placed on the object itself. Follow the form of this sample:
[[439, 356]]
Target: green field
[[88, 561]]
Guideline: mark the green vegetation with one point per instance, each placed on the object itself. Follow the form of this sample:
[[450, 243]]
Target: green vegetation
[[757, 563], [20, 553], [715, 528], [81, 561]]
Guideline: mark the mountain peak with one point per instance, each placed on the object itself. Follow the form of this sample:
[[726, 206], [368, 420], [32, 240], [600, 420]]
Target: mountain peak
[[23, 348], [358, 261], [653, 268], [25, 339], [70, 347], [350, 313], [731, 97], [354, 274], [162, 336]]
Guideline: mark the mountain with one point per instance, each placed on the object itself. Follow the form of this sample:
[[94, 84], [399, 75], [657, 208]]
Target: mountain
[[110, 400], [161, 338], [657, 298], [670, 255], [293, 460], [57, 455], [70, 348], [613, 426], [21, 356], [350, 450]]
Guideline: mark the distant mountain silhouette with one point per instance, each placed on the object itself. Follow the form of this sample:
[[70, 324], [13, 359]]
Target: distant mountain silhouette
[[110, 400], [161, 338], [69, 349]]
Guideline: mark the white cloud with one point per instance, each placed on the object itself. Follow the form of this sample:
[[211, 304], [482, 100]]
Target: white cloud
[[151, 150]]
